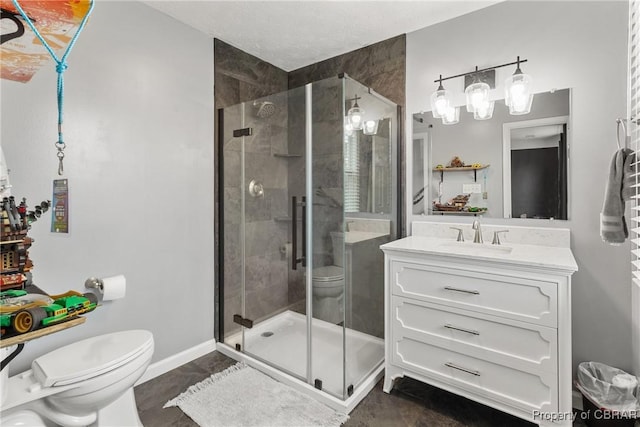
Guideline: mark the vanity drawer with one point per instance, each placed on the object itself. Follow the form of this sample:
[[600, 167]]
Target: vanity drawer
[[520, 345], [516, 388], [516, 298]]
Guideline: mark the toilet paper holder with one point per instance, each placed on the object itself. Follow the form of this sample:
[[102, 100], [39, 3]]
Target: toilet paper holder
[[109, 288], [94, 283]]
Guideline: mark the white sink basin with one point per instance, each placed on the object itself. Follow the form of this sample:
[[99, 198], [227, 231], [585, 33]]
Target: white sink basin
[[470, 248]]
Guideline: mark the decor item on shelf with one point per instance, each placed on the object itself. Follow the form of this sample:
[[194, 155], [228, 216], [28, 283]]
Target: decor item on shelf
[[21, 312], [456, 162], [478, 84], [15, 244]]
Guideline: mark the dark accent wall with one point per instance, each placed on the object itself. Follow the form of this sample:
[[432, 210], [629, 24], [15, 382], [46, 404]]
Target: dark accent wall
[[242, 77], [382, 67], [239, 77]]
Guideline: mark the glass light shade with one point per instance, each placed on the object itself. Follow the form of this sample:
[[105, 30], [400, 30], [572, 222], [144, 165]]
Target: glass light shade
[[451, 116], [485, 111], [517, 94], [440, 102], [370, 127], [477, 96], [348, 128], [355, 116]]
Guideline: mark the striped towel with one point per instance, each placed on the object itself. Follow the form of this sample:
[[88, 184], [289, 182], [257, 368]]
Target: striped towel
[[613, 226]]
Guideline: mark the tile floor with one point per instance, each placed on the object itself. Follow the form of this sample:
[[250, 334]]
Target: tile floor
[[411, 403]]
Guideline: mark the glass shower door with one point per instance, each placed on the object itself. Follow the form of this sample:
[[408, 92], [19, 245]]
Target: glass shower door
[[269, 171]]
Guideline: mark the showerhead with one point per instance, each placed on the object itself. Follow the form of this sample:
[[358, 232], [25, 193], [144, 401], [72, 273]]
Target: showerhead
[[265, 109]]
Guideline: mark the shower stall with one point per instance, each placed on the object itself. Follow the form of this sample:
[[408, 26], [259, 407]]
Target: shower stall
[[305, 203]]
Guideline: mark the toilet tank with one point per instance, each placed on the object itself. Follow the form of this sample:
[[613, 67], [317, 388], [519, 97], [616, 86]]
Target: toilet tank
[[337, 241]]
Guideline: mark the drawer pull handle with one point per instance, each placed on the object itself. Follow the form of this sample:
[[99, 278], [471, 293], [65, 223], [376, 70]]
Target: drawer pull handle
[[449, 288], [468, 371], [469, 331]]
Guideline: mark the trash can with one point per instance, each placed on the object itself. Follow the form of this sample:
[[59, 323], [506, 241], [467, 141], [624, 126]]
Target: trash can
[[610, 396]]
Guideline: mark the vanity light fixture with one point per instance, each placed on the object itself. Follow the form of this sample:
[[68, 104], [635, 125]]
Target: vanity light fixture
[[355, 114], [517, 92], [518, 95], [440, 101]]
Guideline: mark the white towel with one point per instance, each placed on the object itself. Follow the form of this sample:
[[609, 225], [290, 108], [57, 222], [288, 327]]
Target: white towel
[[613, 226]]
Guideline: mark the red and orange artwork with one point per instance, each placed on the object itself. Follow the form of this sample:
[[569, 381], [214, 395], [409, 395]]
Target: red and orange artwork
[[21, 53]]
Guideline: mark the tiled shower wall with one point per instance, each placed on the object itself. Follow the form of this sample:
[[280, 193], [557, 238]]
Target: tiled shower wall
[[240, 77]]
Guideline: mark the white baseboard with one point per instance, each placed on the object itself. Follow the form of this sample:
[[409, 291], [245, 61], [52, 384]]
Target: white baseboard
[[165, 365], [576, 400]]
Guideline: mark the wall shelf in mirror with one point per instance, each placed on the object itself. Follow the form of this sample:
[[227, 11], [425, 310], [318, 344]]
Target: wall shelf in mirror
[[286, 155], [463, 213], [475, 170]]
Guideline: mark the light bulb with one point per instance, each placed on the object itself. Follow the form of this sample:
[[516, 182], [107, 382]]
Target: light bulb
[[348, 127], [477, 95], [370, 127], [440, 102], [355, 116], [484, 111], [517, 93], [451, 116]]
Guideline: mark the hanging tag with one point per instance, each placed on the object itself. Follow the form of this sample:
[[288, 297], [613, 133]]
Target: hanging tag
[[60, 206]]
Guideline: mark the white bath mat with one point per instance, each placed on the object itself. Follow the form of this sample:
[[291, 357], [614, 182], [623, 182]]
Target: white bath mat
[[243, 396]]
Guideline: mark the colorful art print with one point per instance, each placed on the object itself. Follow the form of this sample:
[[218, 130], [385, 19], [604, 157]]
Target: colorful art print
[[21, 53]]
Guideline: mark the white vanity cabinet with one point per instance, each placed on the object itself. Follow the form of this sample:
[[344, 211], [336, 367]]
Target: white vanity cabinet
[[494, 328]]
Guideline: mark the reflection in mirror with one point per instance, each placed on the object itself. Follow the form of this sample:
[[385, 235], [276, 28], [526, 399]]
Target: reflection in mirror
[[470, 168], [535, 151], [367, 169]]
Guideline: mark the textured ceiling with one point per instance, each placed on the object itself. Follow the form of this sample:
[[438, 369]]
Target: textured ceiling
[[293, 34]]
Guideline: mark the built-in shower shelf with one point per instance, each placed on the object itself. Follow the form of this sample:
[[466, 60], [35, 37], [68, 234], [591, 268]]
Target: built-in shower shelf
[[286, 155]]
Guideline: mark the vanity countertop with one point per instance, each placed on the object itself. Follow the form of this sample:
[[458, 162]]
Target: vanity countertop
[[352, 237], [520, 254]]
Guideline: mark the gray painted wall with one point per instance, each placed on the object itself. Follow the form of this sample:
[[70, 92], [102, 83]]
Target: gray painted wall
[[581, 45], [139, 131]]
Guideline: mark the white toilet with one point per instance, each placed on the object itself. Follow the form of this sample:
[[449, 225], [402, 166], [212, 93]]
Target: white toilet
[[89, 382], [328, 285]]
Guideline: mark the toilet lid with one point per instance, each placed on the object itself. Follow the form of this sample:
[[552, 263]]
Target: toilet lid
[[90, 357], [329, 273]]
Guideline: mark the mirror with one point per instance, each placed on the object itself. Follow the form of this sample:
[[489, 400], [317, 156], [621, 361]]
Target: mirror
[[504, 167]]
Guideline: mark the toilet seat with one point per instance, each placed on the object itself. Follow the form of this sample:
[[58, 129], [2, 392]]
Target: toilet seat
[[329, 273], [90, 358]]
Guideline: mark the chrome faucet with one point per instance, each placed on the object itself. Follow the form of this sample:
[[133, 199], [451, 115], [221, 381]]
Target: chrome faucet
[[477, 238]]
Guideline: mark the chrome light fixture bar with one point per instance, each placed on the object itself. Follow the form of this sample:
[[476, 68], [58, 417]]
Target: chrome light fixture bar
[[478, 83]]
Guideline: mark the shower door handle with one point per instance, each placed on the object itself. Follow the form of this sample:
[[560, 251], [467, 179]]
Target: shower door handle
[[304, 232], [294, 233]]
